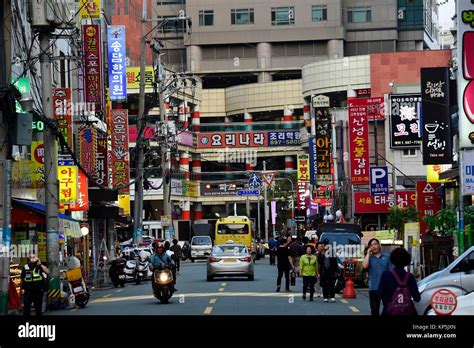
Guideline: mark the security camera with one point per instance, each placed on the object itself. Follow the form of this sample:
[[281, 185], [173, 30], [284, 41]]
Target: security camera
[[391, 83]]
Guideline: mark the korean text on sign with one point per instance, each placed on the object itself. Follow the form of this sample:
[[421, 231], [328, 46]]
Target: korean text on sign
[[359, 144]]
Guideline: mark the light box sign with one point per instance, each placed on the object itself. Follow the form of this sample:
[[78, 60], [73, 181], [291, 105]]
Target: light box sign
[[120, 152], [302, 196], [379, 181], [62, 112], [101, 170], [429, 201], [313, 160], [87, 148], [323, 141], [436, 120], [92, 65], [133, 77], [467, 175], [117, 67], [82, 203], [67, 176], [405, 121], [303, 168], [359, 144], [465, 76]]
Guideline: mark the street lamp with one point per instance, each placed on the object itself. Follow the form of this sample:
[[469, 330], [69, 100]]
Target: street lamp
[[84, 231]]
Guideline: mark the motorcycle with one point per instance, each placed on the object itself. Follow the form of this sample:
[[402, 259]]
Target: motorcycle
[[142, 271], [79, 293], [116, 272], [163, 284]]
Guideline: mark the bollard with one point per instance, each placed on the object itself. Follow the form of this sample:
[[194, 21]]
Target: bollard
[[349, 290]]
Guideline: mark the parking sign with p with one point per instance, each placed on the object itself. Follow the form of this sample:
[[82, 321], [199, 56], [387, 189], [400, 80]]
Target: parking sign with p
[[379, 181]]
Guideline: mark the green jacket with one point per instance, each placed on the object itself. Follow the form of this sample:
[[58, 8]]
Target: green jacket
[[308, 265]]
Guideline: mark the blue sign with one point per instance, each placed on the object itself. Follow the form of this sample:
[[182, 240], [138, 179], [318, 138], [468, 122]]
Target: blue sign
[[284, 138], [68, 162], [378, 181], [313, 161], [248, 193], [254, 181], [117, 52]]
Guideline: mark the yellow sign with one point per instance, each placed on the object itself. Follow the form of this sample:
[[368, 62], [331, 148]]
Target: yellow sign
[[303, 168], [133, 77], [89, 9], [124, 203], [433, 172], [41, 245], [67, 176], [191, 188]]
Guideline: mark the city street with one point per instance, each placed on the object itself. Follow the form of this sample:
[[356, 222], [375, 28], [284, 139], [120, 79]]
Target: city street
[[223, 296]]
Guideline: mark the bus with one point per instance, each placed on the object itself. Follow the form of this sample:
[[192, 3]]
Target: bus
[[235, 228]]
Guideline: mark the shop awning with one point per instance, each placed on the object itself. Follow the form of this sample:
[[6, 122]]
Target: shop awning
[[450, 174], [67, 225]]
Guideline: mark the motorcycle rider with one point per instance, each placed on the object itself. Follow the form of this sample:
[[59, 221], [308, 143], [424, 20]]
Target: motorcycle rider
[[160, 259]]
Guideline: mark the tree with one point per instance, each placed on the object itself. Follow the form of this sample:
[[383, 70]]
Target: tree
[[445, 221], [400, 216]]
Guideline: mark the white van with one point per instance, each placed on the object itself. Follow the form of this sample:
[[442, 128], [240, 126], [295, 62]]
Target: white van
[[201, 247]]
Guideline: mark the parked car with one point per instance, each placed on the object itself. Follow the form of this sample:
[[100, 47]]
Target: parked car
[[230, 260], [457, 277], [200, 245]]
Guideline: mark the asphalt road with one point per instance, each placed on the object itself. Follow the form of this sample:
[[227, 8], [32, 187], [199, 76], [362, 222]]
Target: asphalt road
[[223, 296]]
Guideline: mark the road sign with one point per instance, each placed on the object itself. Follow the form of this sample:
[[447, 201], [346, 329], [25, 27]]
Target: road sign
[[444, 302], [268, 177], [254, 192], [379, 181], [254, 181]]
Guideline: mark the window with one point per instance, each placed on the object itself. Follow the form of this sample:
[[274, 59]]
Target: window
[[242, 16], [232, 229], [283, 15], [126, 6], [359, 14], [206, 17], [202, 240], [173, 26], [409, 153], [319, 13]]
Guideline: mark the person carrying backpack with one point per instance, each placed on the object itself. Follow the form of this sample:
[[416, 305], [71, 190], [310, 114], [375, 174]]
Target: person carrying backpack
[[398, 288], [177, 254]]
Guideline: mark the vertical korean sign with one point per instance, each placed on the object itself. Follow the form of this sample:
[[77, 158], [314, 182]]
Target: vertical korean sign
[[82, 193], [323, 146], [62, 112], [359, 144], [117, 66], [436, 120], [101, 173], [92, 65], [302, 196], [67, 176], [428, 202], [120, 154], [465, 41], [405, 121], [87, 148]]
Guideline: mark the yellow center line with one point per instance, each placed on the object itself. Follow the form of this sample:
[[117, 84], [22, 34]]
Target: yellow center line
[[208, 310], [223, 284], [221, 289], [354, 309], [213, 300], [108, 295], [344, 301]]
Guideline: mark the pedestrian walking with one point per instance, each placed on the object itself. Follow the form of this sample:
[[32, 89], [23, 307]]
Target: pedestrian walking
[[33, 276], [376, 263], [398, 288], [272, 245], [328, 272], [309, 271], [320, 257], [284, 264], [295, 253], [177, 254]]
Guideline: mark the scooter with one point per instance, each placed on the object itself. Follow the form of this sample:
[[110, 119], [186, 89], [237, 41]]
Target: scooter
[[79, 293], [163, 284], [142, 265], [116, 272]]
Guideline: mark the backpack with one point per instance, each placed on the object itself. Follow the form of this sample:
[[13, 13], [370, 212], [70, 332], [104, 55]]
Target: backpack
[[401, 302]]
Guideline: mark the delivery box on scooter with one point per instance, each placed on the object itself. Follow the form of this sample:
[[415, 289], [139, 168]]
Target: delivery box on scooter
[[73, 274]]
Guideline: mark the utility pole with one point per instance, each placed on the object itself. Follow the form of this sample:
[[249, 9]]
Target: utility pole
[[50, 165], [138, 202], [265, 204]]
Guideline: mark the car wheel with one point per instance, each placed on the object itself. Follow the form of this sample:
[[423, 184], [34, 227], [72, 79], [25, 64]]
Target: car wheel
[[251, 277], [210, 278]]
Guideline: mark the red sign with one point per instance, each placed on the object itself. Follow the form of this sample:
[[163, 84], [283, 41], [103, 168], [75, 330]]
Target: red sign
[[92, 65], [62, 112], [82, 193], [359, 144], [366, 92], [101, 171], [148, 133], [444, 302], [39, 153], [120, 155], [234, 139], [364, 203], [302, 196], [375, 107], [428, 202], [87, 148]]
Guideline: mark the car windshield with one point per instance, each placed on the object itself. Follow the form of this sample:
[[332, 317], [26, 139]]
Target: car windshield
[[340, 238], [201, 240], [229, 250], [233, 229]]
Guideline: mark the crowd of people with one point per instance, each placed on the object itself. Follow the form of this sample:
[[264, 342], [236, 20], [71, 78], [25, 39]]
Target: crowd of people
[[390, 284]]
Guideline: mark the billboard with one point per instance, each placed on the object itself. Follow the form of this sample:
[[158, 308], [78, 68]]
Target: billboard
[[359, 144], [364, 203], [117, 52], [436, 120], [221, 140], [405, 121], [89, 9]]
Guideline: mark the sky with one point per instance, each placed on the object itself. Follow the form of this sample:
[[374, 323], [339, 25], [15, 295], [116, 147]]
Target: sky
[[445, 12]]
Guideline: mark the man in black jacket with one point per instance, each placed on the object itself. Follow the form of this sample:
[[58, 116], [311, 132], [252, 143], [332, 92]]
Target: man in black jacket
[[284, 264], [33, 275], [328, 272]]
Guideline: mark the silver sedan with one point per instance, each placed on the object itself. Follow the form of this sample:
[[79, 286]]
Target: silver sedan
[[230, 260]]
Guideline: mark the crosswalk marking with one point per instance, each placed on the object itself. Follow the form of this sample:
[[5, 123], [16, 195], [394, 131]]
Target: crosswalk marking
[[208, 310], [354, 309], [344, 301], [223, 284], [213, 300], [221, 289], [108, 295]]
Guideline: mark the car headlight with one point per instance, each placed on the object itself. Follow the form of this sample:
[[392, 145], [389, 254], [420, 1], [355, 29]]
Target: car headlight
[[164, 277], [422, 287]]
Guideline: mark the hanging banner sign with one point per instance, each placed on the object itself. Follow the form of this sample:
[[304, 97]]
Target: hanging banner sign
[[313, 160], [92, 65], [117, 67], [429, 202], [465, 76], [405, 112], [82, 193], [62, 112], [323, 141], [303, 168], [101, 170], [87, 148], [467, 174], [359, 144], [120, 154], [302, 196], [37, 157], [67, 176], [436, 120], [364, 203]]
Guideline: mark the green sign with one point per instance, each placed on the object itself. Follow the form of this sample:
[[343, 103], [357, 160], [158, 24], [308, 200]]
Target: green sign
[[23, 84]]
